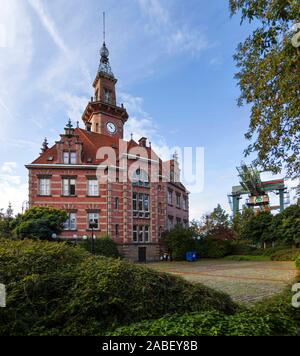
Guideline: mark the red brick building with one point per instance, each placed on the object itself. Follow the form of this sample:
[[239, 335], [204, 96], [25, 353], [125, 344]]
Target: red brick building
[[123, 187]]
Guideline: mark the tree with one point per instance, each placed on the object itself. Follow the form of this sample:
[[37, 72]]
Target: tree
[[6, 222], [257, 228], [285, 226], [40, 223], [219, 217], [180, 240], [269, 77]]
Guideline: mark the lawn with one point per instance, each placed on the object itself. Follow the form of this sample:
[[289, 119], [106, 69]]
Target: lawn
[[244, 281]]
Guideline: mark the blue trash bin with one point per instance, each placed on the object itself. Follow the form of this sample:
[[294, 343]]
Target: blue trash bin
[[191, 256]]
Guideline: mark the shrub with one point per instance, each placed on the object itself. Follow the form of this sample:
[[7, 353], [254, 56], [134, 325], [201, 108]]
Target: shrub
[[247, 258], [213, 323], [104, 246], [285, 255], [213, 248], [39, 223], [56, 289], [180, 240], [22, 258]]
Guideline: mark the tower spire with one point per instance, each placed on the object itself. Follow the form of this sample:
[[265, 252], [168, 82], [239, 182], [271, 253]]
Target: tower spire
[[104, 27], [104, 67]]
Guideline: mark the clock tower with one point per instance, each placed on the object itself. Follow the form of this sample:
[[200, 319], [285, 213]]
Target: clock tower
[[102, 114]]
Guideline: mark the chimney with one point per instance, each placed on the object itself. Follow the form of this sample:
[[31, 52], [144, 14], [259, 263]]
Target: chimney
[[143, 142]]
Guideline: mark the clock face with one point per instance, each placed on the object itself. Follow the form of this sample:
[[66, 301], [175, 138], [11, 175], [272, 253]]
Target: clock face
[[111, 128]]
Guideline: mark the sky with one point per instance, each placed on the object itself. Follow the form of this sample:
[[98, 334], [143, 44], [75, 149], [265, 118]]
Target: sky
[[175, 69]]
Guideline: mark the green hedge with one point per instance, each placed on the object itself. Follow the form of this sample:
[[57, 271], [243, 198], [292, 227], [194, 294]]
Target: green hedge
[[285, 255], [55, 289], [246, 323], [212, 248], [104, 246]]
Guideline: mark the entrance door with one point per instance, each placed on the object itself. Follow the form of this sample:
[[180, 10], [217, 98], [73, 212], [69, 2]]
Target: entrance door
[[142, 254]]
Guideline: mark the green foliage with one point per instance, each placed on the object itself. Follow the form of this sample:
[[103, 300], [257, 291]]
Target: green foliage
[[39, 223], [298, 262], [285, 226], [19, 259], [219, 218], [269, 76], [104, 246], [285, 255], [180, 240], [213, 248], [246, 323], [56, 289], [247, 258], [257, 228]]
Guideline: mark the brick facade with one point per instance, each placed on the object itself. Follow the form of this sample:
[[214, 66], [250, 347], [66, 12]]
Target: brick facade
[[76, 175]]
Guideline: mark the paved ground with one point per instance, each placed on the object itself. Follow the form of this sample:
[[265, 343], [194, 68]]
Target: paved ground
[[246, 282]]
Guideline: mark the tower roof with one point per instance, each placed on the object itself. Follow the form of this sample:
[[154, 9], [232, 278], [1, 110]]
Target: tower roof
[[104, 66]]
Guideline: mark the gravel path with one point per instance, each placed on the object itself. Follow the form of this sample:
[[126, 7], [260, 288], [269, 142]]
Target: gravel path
[[246, 282]]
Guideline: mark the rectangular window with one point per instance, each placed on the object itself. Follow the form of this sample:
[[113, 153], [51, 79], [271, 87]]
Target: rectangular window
[[93, 218], [141, 205], [93, 188], [185, 204], [141, 233], [44, 187], [146, 233], [170, 222], [69, 157], [178, 221], [68, 187], [117, 203], [135, 233], [178, 200], [117, 230], [71, 222], [170, 197]]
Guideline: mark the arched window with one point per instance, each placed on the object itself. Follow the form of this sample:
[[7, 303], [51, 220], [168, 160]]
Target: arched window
[[140, 178]]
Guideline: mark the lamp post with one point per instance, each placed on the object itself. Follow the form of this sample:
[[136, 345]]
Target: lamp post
[[93, 225]]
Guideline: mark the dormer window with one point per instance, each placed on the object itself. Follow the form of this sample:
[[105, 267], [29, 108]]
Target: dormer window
[[70, 158]]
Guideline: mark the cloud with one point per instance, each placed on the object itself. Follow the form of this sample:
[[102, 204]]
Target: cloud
[[173, 36], [12, 188], [48, 24]]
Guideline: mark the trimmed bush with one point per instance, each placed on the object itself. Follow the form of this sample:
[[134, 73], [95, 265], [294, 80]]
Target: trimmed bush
[[55, 289], [19, 259], [209, 324], [104, 246], [285, 255], [247, 258], [212, 248]]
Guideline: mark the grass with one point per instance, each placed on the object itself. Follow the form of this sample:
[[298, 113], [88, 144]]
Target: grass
[[247, 258]]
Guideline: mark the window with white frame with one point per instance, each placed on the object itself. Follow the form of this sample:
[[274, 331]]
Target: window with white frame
[[93, 188], [170, 197], [94, 219], [71, 222], [44, 187], [70, 157], [141, 233], [140, 179], [178, 200], [135, 233], [68, 187], [141, 205], [185, 203]]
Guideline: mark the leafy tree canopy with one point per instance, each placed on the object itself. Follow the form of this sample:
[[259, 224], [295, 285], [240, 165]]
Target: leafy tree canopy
[[269, 79], [39, 223]]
